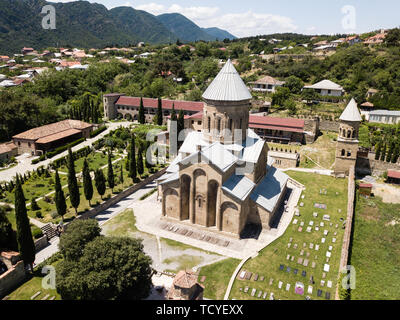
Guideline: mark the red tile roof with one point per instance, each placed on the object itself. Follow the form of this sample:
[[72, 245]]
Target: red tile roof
[[166, 104], [272, 123], [394, 174], [7, 147], [58, 136], [366, 185]]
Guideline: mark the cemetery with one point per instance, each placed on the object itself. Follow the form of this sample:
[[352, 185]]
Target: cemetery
[[304, 262]]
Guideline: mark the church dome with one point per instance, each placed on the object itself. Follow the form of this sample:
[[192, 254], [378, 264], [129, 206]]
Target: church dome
[[227, 86]]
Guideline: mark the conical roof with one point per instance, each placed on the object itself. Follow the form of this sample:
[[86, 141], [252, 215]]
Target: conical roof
[[351, 112], [227, 86]]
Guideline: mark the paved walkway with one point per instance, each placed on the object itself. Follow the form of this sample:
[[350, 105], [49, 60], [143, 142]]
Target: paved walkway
[[102, 218], [324, 172], [25, 162]]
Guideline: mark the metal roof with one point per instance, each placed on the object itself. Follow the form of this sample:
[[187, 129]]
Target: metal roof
[[238, 186], [252, 151], [270, 188], [219, 156], [227, 86], [325, 84], [385, 113], [351, 112]]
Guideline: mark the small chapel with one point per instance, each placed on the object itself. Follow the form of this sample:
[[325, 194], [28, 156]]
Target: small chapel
[[220, 179]]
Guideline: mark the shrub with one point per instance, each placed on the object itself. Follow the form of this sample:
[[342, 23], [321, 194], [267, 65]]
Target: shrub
[[38, 214], [54, 214], [36, 232], [97, 131]]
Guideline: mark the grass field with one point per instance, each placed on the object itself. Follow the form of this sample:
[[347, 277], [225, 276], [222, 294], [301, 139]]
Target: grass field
[[375, 250], [217, 277], [32, 286], [322, 152], [267, 263]]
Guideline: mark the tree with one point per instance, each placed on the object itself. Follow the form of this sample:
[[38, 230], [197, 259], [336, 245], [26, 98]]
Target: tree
[[7, 234], [109, 268], [110, 172], [159, 112], [294, 84], [34, 205], [308, 95], [393, 37], [181, 122], [378, 149], [73, 188], [61, 205], [87, 182], [140, 168], [100, 182], [383, 153], [280, 96], [141, 116], [290, 106], [77, 235], [26, 246], [132, 159], [121, 175]]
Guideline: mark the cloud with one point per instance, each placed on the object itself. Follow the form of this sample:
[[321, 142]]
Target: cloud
[[239, 24]]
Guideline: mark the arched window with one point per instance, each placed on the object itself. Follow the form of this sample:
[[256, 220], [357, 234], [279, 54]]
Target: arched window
[[209, 124], [354, 134], [219, 125], [200, 202], [230, 124], [349, 134], [349, 153], [343, 152], [241, 122]]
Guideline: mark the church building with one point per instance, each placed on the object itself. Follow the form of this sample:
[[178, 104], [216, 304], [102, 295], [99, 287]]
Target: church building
[[220, 179]]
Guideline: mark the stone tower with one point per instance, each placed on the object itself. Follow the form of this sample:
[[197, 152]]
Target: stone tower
[[109, 100], [226, 109], [347, 143]]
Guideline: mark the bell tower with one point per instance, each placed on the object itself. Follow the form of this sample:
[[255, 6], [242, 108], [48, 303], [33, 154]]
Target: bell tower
[[226, 109], [347, 143]]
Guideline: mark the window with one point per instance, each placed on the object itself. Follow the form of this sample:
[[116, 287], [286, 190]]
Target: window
[[230, 124], [348, 134], [219, 125], [209, 124], [200, 202], [343, 152], [29, 144], [348, 153], [241, 122], [19, 143]]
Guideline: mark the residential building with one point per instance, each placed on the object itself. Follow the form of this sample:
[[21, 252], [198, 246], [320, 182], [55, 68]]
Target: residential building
[[45, 138], [366, 109], [384, 116], [266, 84], [327, 88], [7, 151], [376, 39]]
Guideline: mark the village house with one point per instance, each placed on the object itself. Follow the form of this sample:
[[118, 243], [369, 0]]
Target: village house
[[39, 140], [327, 88], [384, 116], [7, 151], [4, 58], [376, 39], [26, 51], [266, 84], [371, 92], [365, 109], [352, 40]]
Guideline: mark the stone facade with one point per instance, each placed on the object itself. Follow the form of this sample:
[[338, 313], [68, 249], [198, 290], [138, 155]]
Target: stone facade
[[186, 287], [15, 273], [219, 182]]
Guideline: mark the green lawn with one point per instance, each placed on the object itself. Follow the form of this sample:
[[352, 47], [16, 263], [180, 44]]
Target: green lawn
[[269, 260], [32, 286], [122, 225], [217, 277], [322, 151], [375, 251]]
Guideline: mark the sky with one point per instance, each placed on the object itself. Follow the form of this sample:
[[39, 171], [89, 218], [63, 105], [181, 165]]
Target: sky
[[259, 17]]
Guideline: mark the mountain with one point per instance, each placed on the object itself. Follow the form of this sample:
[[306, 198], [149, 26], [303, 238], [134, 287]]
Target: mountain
[[142, 25], [185, 29], [219, 34], [89, 25]]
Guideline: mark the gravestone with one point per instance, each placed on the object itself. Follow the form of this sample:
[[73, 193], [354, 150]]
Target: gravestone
[[323, 240], [288, 287], [311, 246], [265, 295], [323, 275], [328, 254], [310, 288], [311, 223], [305, 263], [315, 214], [300, 261], [300, 229], [334, 240], [330, 248], [304, 273], [271, 281], [326, 232], [256, 277], [296, 271], [289, 245], [246, 289], [262, 278], [295, 246], [292, 258], [322, 283], [326, 267], [302, 252], [281, 267], [329, 284], [280, 284], [313, 265], [253, 292], [309, 229], [317, 247], [302, 224], [259, 294]]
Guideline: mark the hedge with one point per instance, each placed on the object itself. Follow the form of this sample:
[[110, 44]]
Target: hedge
[[98, 131]]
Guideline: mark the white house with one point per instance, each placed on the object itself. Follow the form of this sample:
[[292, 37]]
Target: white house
[[327, 88], [266, 84], [384, 116]]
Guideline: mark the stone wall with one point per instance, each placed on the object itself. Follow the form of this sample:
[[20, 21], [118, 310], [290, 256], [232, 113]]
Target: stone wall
[[349, 223], [326, 125], [12, 278], [41, 243], [370, 166]]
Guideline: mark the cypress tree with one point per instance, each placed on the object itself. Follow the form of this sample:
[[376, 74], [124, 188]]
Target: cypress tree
[[378, 151], [173, 113], [121, 175], [383, 153], [34, 205], [181, 123], [132, 159], [87, 182], [26, 246], [73, 188], [140, 168], [159, 112], [100, 182], [110, 173], [61, 205], [141, 116]]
